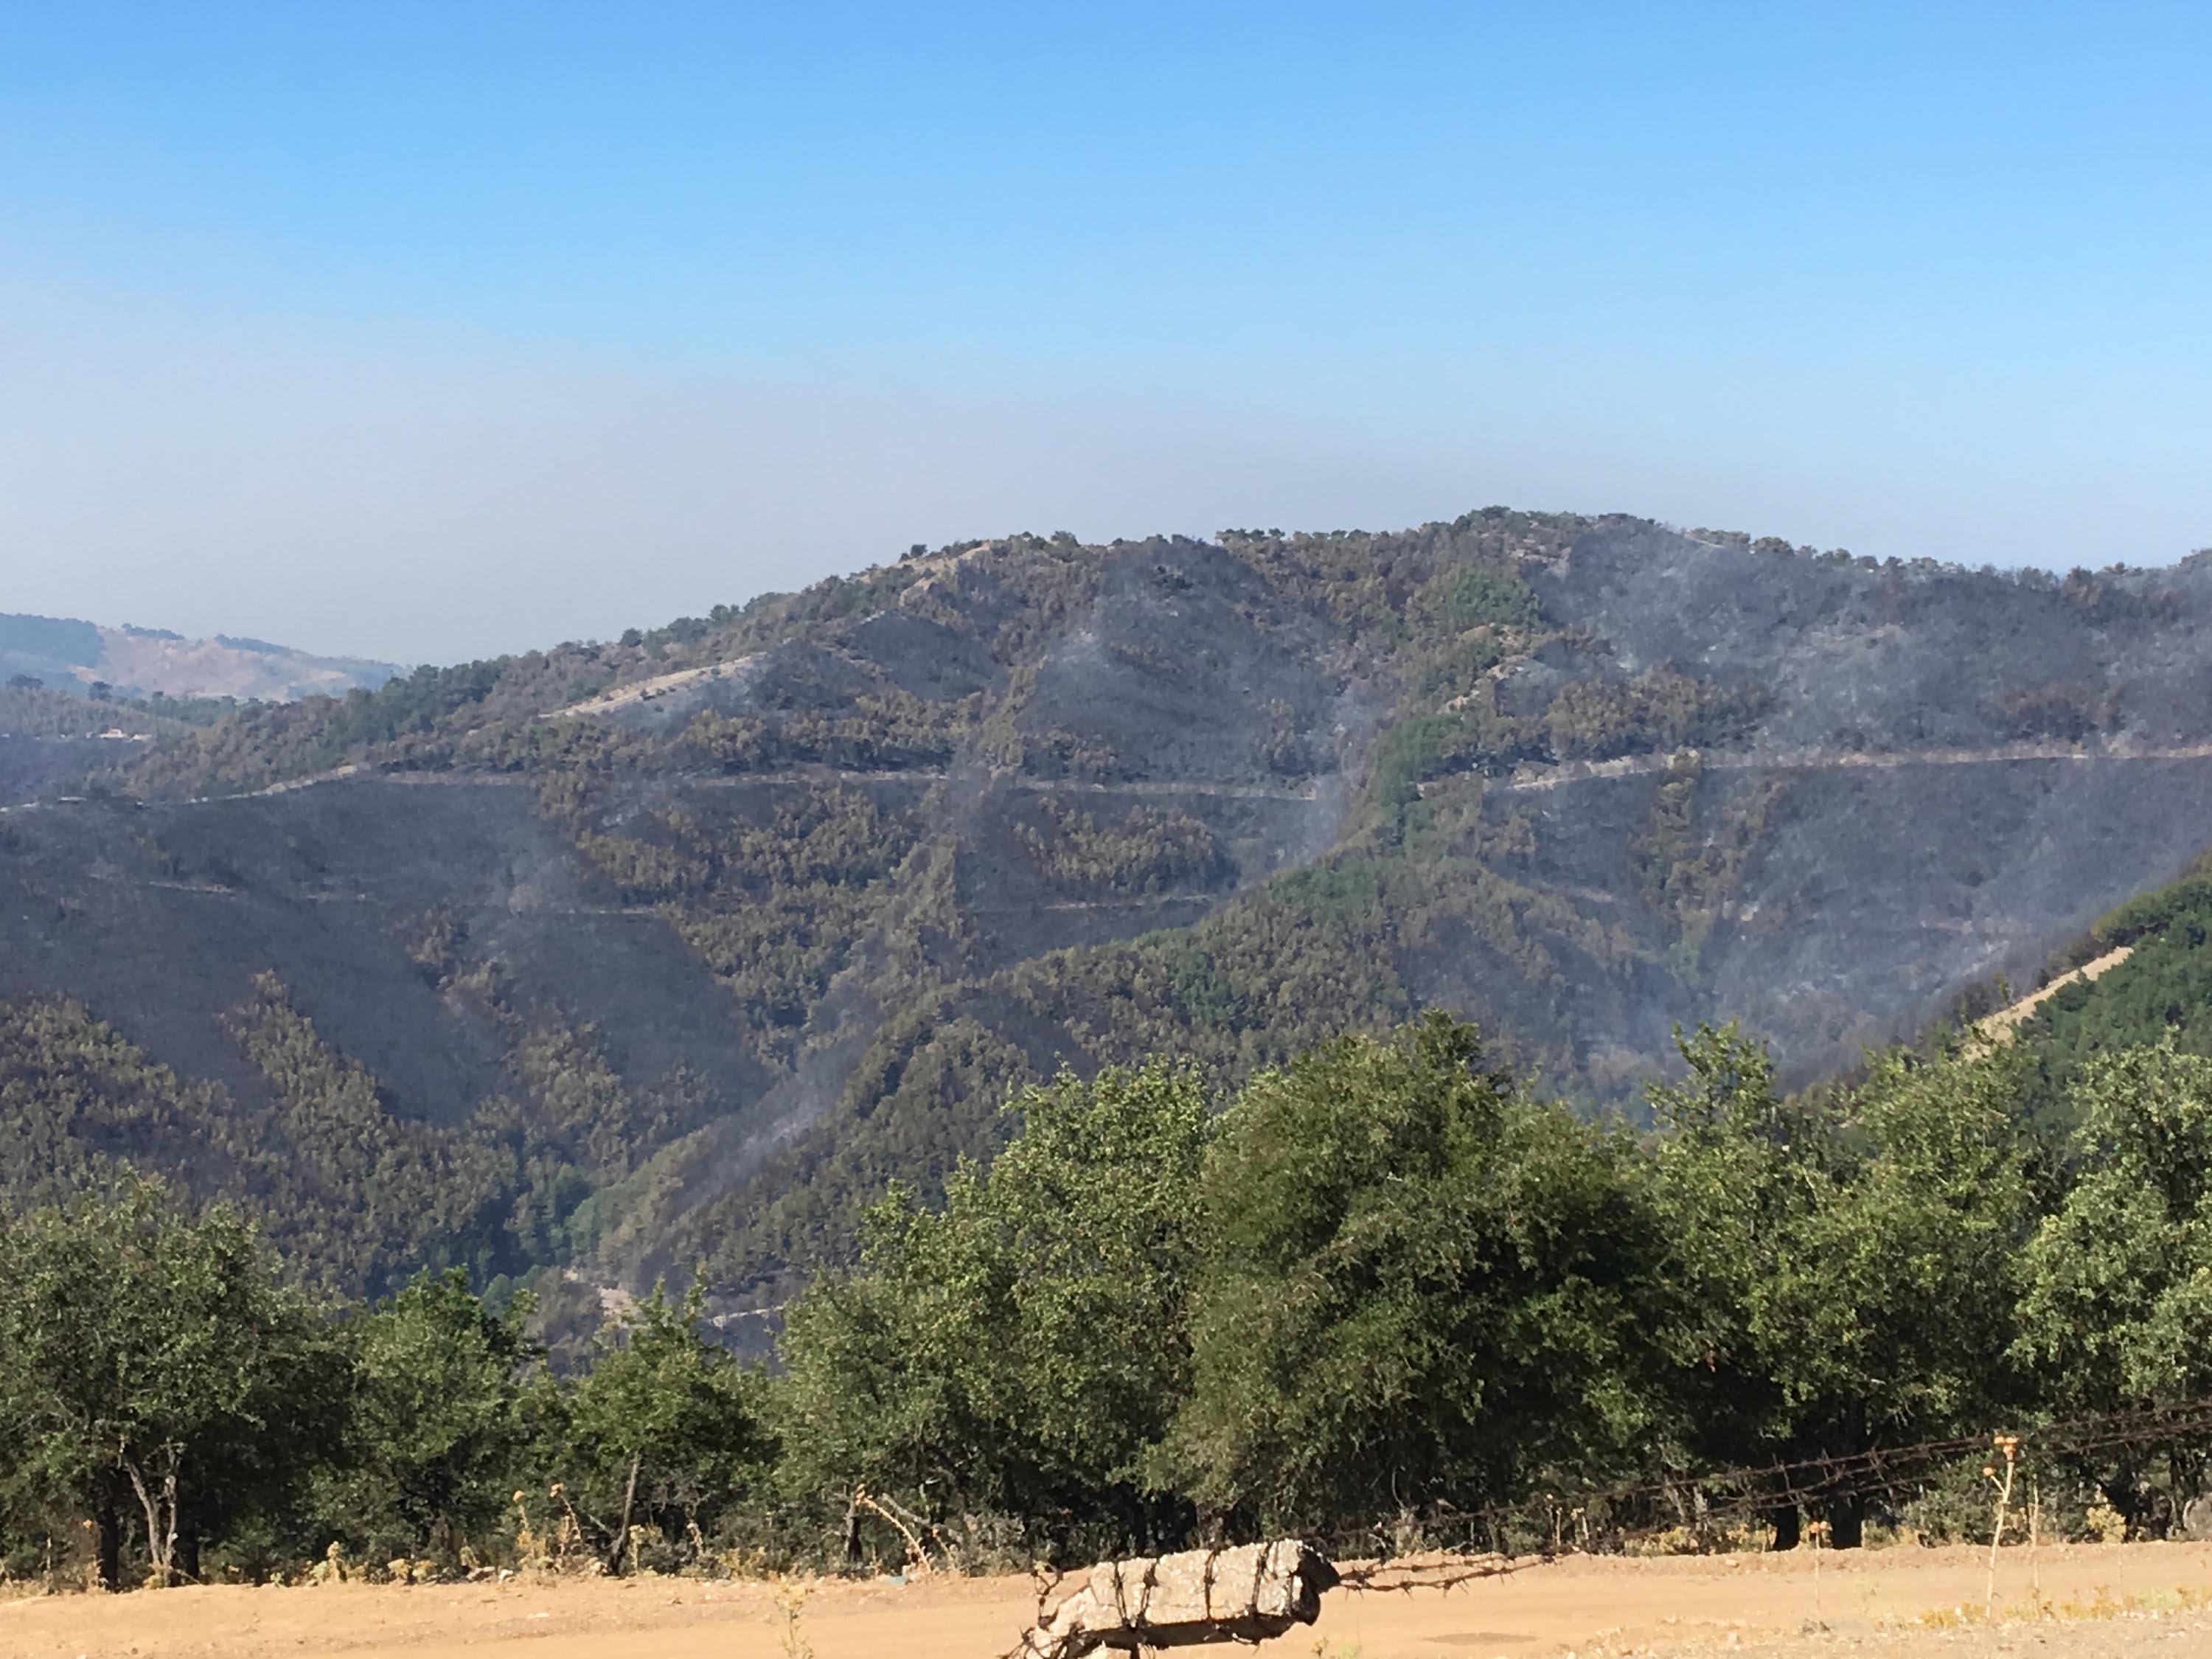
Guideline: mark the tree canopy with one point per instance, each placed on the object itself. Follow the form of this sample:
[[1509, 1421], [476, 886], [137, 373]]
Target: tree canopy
[[1384, 1289]]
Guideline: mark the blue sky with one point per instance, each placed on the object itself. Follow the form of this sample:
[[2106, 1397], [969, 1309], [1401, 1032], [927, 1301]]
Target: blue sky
[[429, 331]]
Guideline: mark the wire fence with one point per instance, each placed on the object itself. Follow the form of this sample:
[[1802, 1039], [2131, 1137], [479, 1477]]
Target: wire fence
[[1615, 1516]]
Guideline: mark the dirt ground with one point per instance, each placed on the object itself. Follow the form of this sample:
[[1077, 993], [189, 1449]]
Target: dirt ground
[[2142, 1599]]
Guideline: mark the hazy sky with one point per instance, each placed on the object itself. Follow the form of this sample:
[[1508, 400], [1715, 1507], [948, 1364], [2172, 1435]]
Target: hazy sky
[[428, 331]]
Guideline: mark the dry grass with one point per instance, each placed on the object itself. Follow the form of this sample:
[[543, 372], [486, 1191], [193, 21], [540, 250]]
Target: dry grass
[[1903, 1602]]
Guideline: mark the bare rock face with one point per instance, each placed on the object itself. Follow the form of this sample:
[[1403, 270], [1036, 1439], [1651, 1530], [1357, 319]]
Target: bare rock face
[[1242, 1595]]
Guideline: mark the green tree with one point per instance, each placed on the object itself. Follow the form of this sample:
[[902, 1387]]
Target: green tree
[[663, 1431], [1735, 1172], [1422, 1288], [2116, 1312], [1842, 1263], [1022, 1349], [154, 1364], [436, 1431]]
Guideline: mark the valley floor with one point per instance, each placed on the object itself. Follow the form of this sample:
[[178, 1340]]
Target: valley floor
[[1898, 1603]]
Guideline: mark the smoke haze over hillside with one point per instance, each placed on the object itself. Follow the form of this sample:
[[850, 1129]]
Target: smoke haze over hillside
[[432, 500], [413, 335]]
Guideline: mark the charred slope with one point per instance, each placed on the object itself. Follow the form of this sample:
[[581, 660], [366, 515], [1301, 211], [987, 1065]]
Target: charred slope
[[699, 936]]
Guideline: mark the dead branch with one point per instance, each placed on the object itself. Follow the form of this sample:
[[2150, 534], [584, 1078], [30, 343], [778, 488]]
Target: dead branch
[[915, 1554]]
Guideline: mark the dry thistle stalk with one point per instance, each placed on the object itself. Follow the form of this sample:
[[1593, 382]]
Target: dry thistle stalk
[[2034, 1532], [917, 1556], [1816, 1530], [2008, 1446], [791, 1601]]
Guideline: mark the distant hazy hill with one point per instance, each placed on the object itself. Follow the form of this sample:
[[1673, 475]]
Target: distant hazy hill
[[678, 946], [68, 655]]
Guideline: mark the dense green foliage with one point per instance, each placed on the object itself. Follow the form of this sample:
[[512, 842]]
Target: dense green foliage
[[1419, 1288], [155, 1366], [1381, 1282], [432, 1424], [170, 1409], [2162, 992], [2120, 1277], [34, 645], [1847, 1261], [1020, 1350], [1409, 1287]]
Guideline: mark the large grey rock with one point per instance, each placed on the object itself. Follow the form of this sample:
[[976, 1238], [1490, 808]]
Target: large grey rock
[[2196, 1518], [1242, 1595]]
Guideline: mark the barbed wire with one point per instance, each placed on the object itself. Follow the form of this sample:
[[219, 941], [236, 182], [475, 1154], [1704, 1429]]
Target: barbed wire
[[1715, 1497], [1710, 1496]]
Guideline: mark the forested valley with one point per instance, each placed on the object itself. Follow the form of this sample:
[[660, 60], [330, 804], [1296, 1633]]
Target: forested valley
[[578, 968], [1467, 1035]]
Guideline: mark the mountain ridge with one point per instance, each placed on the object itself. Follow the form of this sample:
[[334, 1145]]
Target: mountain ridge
[[68, 655], [853, 862]]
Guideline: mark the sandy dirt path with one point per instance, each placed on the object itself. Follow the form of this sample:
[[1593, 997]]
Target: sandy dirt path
[[1998, 1028], [1869, 1603]]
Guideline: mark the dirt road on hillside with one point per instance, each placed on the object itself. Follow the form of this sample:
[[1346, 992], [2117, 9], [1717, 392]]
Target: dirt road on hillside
[[1884, 1604]]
